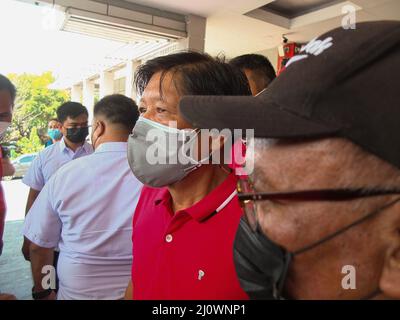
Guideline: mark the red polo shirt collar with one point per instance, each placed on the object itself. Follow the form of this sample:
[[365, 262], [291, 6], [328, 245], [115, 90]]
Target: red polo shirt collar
[[206, 207]]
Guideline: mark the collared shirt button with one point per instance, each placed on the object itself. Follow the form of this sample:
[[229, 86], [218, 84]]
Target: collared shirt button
[[168, 238]]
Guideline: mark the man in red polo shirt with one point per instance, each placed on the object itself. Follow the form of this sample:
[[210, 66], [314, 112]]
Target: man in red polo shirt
[[185, 222], [7, 97]]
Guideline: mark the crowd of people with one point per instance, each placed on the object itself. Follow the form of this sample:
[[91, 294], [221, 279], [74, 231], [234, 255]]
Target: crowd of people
[[317, 217]]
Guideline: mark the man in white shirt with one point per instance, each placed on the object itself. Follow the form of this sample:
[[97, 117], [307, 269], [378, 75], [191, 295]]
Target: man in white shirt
[[86, 209], [74, 126]]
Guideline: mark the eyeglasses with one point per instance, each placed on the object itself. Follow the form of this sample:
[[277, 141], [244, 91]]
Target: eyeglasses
[[248, 196]]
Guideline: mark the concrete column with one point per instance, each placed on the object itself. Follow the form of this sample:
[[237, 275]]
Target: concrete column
[[106, 84], [76, 93], [131, 67], [88, 97], [196, 31]]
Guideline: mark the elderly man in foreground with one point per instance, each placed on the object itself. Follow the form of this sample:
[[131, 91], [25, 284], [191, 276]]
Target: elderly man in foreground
[[322, 206]]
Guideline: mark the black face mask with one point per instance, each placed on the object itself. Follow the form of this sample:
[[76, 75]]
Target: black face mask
[[77, 135], [262, 265]]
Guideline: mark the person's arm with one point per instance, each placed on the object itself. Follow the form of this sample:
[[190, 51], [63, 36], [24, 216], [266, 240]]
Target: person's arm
[[43, 227], [34, 179], [8, 168], [33, 194], [41, 257], [129, 291]]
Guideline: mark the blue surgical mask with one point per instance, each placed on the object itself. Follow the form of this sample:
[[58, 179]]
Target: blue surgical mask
[[54, 134]]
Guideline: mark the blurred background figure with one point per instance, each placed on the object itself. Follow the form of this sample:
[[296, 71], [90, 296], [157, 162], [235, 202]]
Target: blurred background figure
[[258, 70], [53, 132], [7, 166]]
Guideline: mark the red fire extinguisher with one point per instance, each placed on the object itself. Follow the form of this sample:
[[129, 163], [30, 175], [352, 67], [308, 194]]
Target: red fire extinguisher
[[285, 52]]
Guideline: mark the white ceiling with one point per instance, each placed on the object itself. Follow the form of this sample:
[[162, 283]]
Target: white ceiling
[[232, 33], [204, 8], [228, 31]]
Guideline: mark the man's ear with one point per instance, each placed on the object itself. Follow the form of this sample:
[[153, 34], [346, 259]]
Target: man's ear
[[390, 278], [100, 128], [63, 129], [220, 146]]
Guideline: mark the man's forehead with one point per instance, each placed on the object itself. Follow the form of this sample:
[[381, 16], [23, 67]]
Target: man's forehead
[[5, 100], [159, 91], [289, 150], [5, 94], [81, 118], [284, 164]]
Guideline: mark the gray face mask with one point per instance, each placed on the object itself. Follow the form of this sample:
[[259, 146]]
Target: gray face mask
[[160, 155]]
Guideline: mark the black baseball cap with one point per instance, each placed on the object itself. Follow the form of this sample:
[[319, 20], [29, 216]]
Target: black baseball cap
[[345, 83]]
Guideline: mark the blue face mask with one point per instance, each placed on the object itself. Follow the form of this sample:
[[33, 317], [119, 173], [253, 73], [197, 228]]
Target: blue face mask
[[54, 134]]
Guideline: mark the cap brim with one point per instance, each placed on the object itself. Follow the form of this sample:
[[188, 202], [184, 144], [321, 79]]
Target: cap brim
[[244, 112]]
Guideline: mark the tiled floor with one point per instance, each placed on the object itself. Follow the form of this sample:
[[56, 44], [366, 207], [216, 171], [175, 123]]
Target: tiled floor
[[15, 272]]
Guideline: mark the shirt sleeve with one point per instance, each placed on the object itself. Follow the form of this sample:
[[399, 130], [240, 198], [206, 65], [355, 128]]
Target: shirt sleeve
[[2, 218], [34, 177], [2, 205], [42, 224]]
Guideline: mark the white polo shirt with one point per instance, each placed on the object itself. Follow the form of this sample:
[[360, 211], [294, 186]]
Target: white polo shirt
[[86, 209], [50, 160]]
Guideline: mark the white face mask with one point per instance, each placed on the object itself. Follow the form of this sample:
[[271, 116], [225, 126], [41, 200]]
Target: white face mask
[[3, 127]]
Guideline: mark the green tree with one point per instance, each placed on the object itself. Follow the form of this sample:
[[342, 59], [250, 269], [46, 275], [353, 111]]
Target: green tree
[[31, 144], [35, 105]]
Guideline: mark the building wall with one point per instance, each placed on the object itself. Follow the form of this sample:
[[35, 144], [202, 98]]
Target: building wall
[[272, 55]]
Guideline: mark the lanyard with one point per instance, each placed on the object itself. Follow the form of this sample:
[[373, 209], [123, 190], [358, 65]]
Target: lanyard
[[226, 202], [222, 206]]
